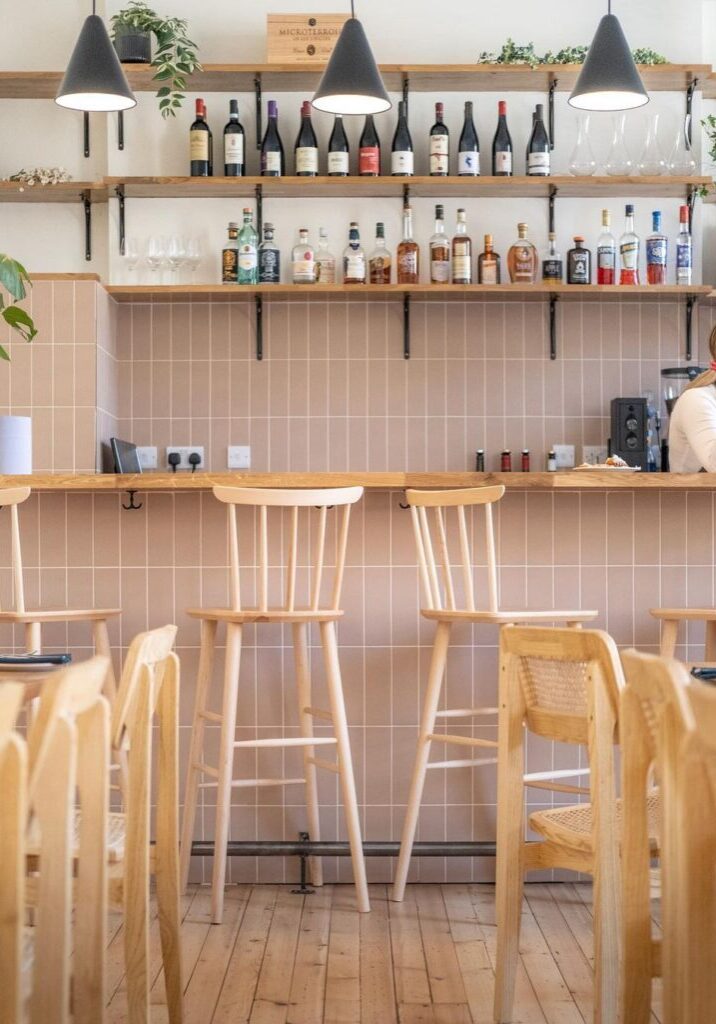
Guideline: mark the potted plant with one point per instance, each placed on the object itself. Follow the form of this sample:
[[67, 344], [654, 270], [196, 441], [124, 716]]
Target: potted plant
[[175, 55], [14, 277]]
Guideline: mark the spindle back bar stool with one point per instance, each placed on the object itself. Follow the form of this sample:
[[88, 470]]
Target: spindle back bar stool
[[450, 597], [322, 585]]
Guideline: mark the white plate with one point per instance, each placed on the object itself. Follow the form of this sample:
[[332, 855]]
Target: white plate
[[608, 469]]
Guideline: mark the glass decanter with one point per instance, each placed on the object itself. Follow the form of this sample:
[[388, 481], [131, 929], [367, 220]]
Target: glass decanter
[[652, 162], [619, 162], [681, 159], [582, 162]]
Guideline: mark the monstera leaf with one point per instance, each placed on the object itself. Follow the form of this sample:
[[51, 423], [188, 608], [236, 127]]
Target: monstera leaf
[[13, 278]]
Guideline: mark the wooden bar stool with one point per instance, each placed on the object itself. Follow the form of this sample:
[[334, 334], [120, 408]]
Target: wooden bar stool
[[324, 612], [443, 608], [670, 619], [33, 619]]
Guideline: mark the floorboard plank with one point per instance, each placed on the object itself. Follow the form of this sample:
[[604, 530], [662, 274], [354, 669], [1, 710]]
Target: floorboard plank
[[274, 985], [343, 996], [308, 988], [376, 966], [237, 993]]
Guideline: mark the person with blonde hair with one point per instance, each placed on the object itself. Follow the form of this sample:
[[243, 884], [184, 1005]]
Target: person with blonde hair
[[692, 429]]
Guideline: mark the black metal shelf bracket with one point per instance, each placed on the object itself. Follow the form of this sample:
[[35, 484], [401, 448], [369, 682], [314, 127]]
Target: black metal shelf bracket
[[406, 92], [132, 506], [691, 89], [120, 129], [86, 132], [553, 300], [690, 303], [406, 327], [691, 196], [257, 93], [552, 196], [119, 191], [259, 327], [550, 110], [87, 203], [259, 194]]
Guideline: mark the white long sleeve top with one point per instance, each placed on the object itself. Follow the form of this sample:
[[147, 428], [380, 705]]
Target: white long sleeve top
[[692, 432]]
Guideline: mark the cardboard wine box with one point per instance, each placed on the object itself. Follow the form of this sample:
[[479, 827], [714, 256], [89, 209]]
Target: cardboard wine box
[[302, 38]]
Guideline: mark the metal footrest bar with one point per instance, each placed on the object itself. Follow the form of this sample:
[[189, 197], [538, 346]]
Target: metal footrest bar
[[321, 848]]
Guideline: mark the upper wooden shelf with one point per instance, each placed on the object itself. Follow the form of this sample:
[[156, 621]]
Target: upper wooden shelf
[[65, 192], [355, 186], [591, 480], [421, 77], [396, 292]]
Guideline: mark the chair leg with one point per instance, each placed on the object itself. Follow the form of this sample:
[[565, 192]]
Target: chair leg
[[669, 633], [226, 767], [33, 638], [100, 638], [345, 762], [710, 652], [303, 685], [196, 747], [427, 726]]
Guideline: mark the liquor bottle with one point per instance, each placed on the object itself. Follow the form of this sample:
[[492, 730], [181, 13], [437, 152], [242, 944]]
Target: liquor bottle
[[379, 261], [369, 151], [579, 263], [606, 252], [248, 250], [522, 259], [306, 148], [552, 269], [488, 264], [303, 260], [273, 160], [338, 150], [439, 145], [230, 256], [325, 260], [461, 252], [538, 148], [354, 266], [201, 145], [269, 258], [629, 251], [408, 252], [468, 150], [502, 144], [684, 255], [233, 143], [439, 251], [402, 157], [656, 251]]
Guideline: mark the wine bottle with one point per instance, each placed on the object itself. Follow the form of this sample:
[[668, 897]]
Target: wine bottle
[[439, 145], [273, 160], [306, 148], [200, 145], [538, 148], [338, 150], [402, 157], [369, 152], [502, 144], [233, 143], [468, 150]]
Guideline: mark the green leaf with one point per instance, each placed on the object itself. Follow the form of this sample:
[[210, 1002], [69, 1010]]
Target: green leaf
[[13, 276], [19, 320], [4, 354]]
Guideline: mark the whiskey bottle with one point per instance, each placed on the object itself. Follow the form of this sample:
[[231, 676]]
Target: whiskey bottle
[[230, 256], [488, 264], [439, 145], [439, 251], [354, 267], [303, 260], [579, 263], [380, 260], [522, 259], [408, 252], [552, 263], [325, 260], [461, 252]]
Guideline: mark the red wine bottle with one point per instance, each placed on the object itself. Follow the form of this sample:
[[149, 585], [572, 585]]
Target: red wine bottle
[[273, 160], [538, 148], [306, 149], [502, 145], [402, 156], [369, 152], [468, 150], [439, 145], [233, 143], [201, 145], [338, 150]]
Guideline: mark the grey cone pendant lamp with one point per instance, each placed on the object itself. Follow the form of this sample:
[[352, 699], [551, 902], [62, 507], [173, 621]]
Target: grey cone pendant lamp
[[351, 83], [609, 79], [94, 79]]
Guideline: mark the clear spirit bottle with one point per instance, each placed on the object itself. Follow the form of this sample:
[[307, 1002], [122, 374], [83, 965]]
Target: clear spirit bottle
[[439, 250], [303, 260], [248, 251], [325, 260], [354, 265]]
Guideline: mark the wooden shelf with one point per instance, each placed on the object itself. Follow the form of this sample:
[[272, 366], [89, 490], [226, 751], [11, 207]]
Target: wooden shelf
[[65, 192], [593, 480], [422, 78], [420, 187], [396, 292]]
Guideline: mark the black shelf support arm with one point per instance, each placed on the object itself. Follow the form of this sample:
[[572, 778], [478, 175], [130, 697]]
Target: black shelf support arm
[[120, 129], [552, 197], [691, 89], [259, 327], [553, 300], [406, 327], [119, 191], [257, 93], [86, 132], [690, 303], [691, 203], [550, 110], [87, 203], [259, 194]]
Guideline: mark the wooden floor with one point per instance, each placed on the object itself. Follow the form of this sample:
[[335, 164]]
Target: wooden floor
[[279, 958]]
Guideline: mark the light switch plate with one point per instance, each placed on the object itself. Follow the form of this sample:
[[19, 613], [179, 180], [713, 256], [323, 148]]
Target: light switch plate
[[594, 454], [564, 455], [185, 451], [147, 456], [238, 456]]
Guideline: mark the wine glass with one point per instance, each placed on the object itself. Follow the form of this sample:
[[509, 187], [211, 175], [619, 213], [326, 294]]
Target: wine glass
[[131, 255], [155, 256], [176, 255], [192, 257]]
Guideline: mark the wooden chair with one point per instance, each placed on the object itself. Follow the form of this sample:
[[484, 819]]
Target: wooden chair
[[451, 600], [32, 619], [13, 824], [671, 618], [561, 684], [322, 607]]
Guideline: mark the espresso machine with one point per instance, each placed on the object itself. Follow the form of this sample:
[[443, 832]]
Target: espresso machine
[[675, 379]]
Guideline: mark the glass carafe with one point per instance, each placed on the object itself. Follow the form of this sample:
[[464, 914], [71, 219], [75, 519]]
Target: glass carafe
[[652, 162], [619, 162], [582, 162], [681, 159]]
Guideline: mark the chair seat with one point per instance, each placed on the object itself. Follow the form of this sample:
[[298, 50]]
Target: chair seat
[[504, 617], [116, 832], [60, 615], [572, 826], [697, 614], [265, 615]]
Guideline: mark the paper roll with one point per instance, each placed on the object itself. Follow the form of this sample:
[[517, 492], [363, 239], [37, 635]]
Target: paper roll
[[15, 445]]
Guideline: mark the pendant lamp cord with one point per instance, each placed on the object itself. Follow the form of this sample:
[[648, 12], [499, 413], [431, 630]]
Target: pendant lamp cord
[[353, 13]]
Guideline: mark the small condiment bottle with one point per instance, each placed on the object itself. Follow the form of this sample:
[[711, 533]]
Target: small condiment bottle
[[480, 460], [551, 463], [506, 461], [525, 460]]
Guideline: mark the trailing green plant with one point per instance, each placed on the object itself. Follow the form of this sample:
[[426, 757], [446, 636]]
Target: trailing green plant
[[175, 55], [709, 126], [512, 53], [14, 277]]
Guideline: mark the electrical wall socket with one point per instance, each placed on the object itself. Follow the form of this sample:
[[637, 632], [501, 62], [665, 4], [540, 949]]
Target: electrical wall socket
[[147, 457], [185, 451], [564, 455], [238, 456], [594, 454]]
